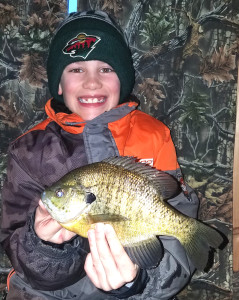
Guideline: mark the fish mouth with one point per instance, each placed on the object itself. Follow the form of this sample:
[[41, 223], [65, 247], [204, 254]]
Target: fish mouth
[[84, 211], [92, 100]]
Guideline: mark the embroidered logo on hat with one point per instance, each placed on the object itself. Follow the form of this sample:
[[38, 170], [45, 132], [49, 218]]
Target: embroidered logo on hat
[[81, 45]]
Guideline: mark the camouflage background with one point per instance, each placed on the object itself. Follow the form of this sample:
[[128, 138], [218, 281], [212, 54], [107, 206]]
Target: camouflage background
[[185, 55]]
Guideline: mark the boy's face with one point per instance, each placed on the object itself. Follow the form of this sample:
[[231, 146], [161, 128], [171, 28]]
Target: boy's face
[[89, 88]]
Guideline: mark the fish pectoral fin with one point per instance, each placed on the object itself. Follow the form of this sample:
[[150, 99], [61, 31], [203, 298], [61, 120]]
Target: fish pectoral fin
[[147, 254], [106, 218]]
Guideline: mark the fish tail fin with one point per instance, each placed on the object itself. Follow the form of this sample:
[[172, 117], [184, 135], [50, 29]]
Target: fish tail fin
[[202, 244]]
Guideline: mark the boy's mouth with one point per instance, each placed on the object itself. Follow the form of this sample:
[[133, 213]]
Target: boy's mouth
[[92, 100]]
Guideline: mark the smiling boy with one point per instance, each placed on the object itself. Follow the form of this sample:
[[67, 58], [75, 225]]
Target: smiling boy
[[89, 88], [90, 76]]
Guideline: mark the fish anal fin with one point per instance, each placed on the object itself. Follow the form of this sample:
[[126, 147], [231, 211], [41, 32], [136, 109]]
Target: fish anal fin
[[147, 254]]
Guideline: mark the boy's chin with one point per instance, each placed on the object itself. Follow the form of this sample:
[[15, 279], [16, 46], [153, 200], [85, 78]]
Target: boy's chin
[[90, 113]]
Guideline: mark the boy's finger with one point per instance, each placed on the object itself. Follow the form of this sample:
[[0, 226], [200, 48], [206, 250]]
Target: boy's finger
[[95, 245], [114, 243], [103, 248], [126, 267], [90, 271]]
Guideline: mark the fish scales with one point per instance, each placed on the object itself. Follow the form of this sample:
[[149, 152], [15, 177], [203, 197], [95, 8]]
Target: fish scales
[[114, 185], [130, 197]]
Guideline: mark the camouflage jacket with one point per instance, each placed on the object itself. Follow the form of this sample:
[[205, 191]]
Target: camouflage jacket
[[51, 149]]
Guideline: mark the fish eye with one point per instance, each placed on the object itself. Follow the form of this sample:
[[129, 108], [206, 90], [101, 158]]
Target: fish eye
[[59, 193], [90, 198]]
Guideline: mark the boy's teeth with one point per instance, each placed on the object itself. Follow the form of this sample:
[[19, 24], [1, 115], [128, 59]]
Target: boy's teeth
[[91, 100]]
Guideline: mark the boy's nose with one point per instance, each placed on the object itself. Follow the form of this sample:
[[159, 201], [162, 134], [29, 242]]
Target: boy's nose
[[92, 81]]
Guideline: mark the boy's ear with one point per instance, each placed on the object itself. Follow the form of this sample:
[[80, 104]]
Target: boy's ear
[[59, 89]]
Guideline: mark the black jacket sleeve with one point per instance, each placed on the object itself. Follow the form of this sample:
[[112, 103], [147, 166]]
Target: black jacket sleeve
[[46, 263]]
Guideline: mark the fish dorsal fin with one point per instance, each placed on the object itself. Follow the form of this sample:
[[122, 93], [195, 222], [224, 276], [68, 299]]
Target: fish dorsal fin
[[146, 254], [165, 183]]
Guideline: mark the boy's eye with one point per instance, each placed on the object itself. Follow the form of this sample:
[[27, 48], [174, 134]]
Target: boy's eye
[[76, 70], [106, 70]]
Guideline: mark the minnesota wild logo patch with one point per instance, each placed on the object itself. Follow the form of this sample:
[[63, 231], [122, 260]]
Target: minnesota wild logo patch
[[81, 45]]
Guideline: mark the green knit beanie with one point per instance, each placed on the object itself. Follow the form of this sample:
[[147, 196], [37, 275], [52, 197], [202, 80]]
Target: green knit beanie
[[90, 35]]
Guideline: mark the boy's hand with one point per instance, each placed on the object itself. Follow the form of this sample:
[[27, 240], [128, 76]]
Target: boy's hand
[[107, 265], [49, 229]]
